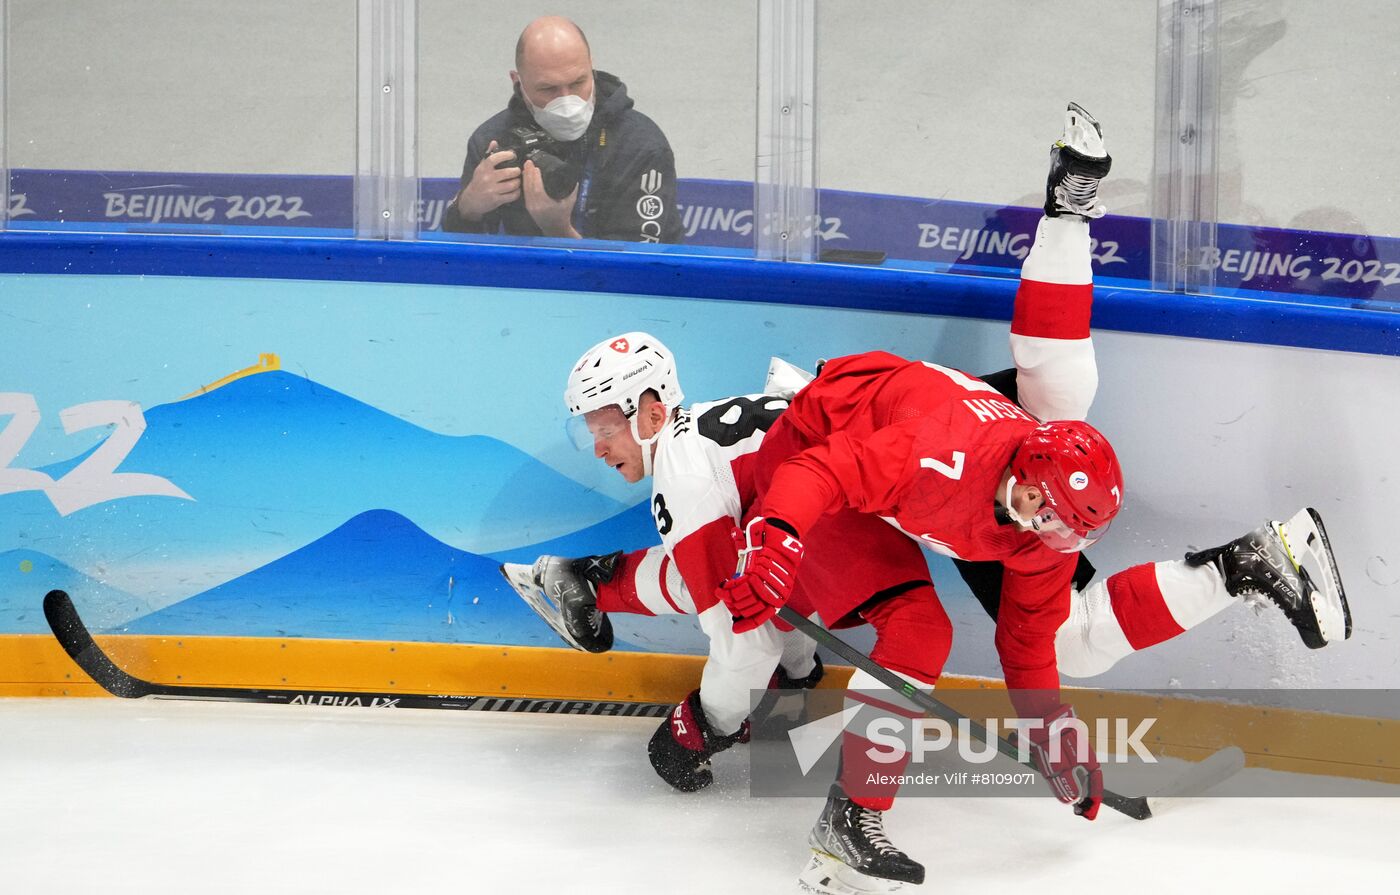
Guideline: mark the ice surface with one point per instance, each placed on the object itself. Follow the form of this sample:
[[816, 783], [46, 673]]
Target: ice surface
[[155, 797]]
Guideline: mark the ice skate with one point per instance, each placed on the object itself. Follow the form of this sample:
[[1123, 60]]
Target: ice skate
[[852, 854], [1289, 564], [1078, 161], [564, 593]]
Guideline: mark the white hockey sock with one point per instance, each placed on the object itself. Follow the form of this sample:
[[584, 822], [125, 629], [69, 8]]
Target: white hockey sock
[[1133, 610], [1060, 253]]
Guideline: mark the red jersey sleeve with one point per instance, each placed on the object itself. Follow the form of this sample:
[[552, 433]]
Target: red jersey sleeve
[[1035, 601]]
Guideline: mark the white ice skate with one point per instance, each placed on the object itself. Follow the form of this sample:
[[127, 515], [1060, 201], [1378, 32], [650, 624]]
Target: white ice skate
[[1078, 161], [785, 380]]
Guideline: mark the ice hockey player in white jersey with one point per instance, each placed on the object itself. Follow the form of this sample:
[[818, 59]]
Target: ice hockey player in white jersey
[[624, 397]]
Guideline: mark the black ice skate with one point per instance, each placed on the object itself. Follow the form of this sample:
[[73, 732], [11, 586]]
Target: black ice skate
[[564, 593], [852, 854], [1078, 162], [1272, 564]]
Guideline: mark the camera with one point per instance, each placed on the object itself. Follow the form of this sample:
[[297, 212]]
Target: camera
[[532, 144]]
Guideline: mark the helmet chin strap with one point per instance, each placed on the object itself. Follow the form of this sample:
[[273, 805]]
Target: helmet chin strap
[[1010, 506], [648, 445]]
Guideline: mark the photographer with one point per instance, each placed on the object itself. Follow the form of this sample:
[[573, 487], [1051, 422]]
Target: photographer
[[569, 156]]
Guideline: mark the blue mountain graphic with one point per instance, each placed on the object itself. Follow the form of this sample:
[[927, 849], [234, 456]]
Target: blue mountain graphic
[[273, 461], [26, 575], [377, 577], [631, 529]]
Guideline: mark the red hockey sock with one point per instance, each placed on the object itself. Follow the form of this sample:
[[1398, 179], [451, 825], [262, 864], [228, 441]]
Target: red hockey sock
[[870, 772], [912, 637], [1140, 608], [620, 593]]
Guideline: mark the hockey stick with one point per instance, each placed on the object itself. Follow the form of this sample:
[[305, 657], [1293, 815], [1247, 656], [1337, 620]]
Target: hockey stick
[[1204, 775], [73, 635]]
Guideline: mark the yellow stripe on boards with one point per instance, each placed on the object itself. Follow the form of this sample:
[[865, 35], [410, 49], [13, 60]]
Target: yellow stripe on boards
[[1281, 739]]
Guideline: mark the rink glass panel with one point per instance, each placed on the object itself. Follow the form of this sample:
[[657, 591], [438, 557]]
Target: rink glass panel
[[189, 116], [690, 68], [954, 106], [1306, 158]]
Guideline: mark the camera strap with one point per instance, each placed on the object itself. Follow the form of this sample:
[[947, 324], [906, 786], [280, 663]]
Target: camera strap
[[580, 213]]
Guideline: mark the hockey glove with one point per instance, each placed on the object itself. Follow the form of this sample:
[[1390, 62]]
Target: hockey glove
[[769, 552], [680, 749], [1065, 757]]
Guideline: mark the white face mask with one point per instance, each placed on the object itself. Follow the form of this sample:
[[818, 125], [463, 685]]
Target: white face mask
[[565, 118]]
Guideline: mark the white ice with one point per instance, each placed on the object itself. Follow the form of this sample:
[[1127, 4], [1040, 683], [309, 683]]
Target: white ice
[[179, 797]]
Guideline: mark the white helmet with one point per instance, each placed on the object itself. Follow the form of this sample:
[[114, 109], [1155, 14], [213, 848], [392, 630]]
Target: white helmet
[[619, 371]]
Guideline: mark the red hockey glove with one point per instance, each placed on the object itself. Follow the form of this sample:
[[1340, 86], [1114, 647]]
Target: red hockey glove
[[1065, 757], [768, 558], [680, 749]]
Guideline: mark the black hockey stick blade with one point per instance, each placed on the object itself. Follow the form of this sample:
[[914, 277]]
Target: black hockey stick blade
[[73, 635], [1210, 771], [1136, 807]]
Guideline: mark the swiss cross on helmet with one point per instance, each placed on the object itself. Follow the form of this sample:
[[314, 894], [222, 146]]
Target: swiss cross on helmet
[[1077, 472]]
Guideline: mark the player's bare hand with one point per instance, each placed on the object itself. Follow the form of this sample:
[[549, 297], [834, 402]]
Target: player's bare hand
[[491, 186], [552, 216]]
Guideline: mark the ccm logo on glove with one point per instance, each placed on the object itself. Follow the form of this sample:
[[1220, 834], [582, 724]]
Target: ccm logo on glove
[[1066, 759], [769, 552]]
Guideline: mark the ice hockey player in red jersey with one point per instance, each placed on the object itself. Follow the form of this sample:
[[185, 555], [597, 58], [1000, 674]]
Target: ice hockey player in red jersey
[[948, 461], [1055, 378]]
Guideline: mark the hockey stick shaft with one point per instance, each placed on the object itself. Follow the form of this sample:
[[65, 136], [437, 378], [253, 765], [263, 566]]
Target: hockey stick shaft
[[1136, 807], [75, 639]]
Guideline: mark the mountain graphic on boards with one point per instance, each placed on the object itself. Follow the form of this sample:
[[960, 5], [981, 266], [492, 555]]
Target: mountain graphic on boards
[[272, 462], [377, 577]]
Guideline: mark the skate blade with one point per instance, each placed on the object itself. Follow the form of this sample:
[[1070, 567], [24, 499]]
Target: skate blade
[[1083, 133], [785, 380], [1307, 544], [828, 875], [521, 579]]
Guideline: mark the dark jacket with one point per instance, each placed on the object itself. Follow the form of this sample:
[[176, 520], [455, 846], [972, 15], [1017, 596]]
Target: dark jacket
[[632, 192]]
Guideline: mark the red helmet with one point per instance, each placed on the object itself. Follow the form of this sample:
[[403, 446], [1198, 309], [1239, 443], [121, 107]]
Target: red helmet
[[1077, 471]]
